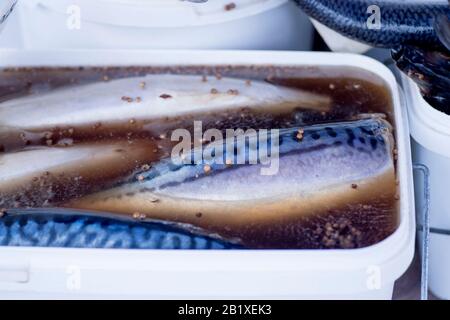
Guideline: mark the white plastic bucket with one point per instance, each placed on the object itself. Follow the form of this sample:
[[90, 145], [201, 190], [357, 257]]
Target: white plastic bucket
[[430, 131], [164, 24], [366, 273]]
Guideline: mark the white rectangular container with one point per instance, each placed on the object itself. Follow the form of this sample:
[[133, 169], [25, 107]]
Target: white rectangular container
[[367, 273], [430, 132], [164, 24]]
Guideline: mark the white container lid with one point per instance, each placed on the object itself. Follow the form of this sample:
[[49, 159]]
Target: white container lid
[[159, 13], [429, 127]]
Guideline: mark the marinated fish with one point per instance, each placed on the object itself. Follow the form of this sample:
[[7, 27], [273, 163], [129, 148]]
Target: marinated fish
[[43, 176], [321, 168], [152, 104], [75, 231]]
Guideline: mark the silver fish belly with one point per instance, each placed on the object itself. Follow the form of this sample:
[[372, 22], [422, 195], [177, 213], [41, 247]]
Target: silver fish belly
[[151, 103]]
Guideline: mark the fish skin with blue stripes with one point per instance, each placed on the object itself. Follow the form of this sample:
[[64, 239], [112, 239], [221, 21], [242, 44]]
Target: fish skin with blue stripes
[[22, 229], [400, 22], [321, 167]]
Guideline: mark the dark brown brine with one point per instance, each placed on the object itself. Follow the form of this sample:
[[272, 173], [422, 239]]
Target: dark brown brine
[[336, 189]]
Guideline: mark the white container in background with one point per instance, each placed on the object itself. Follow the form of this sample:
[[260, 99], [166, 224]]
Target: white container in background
[[366, 273], [430, 132], [164, 24], [337, 42]]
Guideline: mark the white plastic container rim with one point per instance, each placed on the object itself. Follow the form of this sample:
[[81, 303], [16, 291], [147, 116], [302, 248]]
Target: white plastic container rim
[[158, 13], [217, 274]]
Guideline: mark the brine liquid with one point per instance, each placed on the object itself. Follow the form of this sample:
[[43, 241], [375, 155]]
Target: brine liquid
[[353, 92]]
